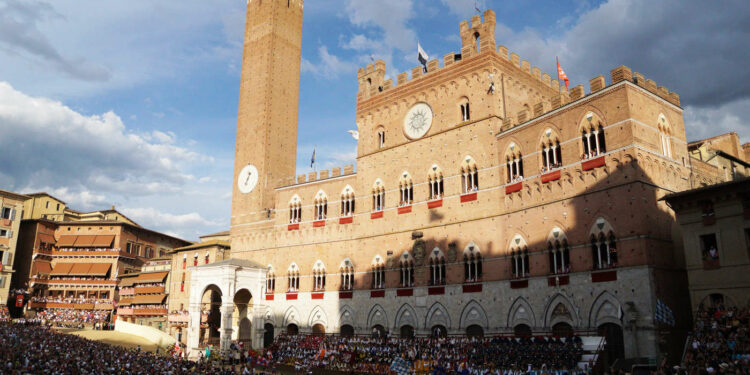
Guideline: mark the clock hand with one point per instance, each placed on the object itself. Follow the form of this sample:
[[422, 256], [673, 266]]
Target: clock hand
[[248, 178]]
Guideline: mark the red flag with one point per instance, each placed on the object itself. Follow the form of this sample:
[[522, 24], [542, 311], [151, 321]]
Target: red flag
[[561, 74], [19, 300]]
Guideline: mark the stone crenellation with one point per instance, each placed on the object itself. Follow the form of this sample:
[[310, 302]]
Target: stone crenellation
[[319, 175]]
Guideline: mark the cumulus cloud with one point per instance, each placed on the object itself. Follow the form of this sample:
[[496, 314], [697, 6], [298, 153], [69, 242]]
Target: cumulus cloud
[[707, 122], [464, 8], [170, 223], [44, 140]]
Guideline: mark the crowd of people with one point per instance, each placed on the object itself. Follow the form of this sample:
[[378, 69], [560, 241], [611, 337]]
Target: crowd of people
[[60, 299], [438, 355], [34, 349], [4, 314], [720, 343], [70, 318]]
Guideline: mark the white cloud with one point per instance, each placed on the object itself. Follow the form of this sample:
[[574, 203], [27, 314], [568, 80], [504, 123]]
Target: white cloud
[[464, 8], [329, 66], [186, 225], [707, 122]]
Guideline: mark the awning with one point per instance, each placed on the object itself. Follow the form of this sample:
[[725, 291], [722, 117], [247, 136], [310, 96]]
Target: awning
[[103, 241], [61, 269], [84, 241], [100, 269], [149, 299], [80, 269], [125, 302], [67, 241], [154, 277], [128, 281], [41, 268], [46, 238]]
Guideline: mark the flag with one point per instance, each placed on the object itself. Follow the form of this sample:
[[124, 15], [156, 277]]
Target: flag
[[321, 353], [312, 161], [561, 74], [663, 313], [422, 55], [400, 366]]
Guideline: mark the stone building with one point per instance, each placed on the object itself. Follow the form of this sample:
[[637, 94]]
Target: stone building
[[212, 248], [11, 208], [487, 199], [715, 223], [719, 158], [143, 295]]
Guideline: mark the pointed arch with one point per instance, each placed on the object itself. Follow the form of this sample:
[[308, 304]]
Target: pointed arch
[[321, 205], [520, 312], [469, 175], [347, 315], [435, 181], [550, 150], [347, 201], [406, 189], [591, 127], [513, 163], [437, 315], [553, 314], [291, 316], [605, 309], [406, 315], [377, 316], [317, 316], [378, 195], [472, 262], [474, 314]]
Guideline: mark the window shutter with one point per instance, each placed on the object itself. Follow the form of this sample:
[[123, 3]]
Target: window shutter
[[12, 214], [10, 234]]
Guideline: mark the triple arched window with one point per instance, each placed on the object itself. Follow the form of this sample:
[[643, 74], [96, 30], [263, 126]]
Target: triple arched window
[[603, 245], [519, 257], [551, 152], [407, 270], [592, 136], [469, 175], [559, 255], [321, 206], [347, 275], [406, 189], [514, 164], [378, 273], [472, 263], [378, 195], [435, 180], [295, 210], [464, 109], [347, 201], [437, 267], [319, 276], [293, 278]]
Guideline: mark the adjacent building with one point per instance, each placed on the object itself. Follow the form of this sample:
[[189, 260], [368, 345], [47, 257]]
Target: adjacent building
[[143, 295], [715, 225], [11, 208]]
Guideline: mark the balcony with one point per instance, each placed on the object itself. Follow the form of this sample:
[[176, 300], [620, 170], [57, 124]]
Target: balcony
[[127, 291], [150, 311], [72, 282], [149, 289], [70, 305], [125, 311], [178, 317], [87, 253]]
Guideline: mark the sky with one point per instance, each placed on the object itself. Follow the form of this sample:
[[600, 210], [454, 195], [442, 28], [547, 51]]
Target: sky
[[134, 103]]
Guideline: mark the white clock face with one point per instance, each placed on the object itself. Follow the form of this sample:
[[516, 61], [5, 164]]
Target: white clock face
[[418, 121], [247, 179]]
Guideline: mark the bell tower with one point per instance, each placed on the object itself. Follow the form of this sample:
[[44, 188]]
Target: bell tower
[[266, 148]]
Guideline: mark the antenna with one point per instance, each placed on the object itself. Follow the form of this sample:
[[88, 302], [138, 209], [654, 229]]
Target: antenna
[[476, 7]]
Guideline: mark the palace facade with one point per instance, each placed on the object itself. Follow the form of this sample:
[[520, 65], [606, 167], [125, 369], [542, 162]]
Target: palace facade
[[487, 200]]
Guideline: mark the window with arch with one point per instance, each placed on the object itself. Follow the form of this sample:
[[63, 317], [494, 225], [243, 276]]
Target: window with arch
[[347, 275], [469, 175], [378, 195], [347, 201], [463, 106], [472, 263], [295, 210], [378, 273], [381, 136], [603, 245], [293, 278], [319, 276], [665, 135], [551, 151], [406, 188], [559, 252], [206, 258], [270, 280], [592, 136], [437, 267], [514, 163], [321, 206], [195, 259], [519, 257], [406, 266], [435, 180]]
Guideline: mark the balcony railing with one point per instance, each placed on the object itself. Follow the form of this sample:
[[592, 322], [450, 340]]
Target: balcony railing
[[72, 282], [178, 317], [150, 311], [149, 289], [69, 305]]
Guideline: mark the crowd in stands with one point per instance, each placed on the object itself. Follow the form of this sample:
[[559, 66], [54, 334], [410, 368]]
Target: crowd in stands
[[720, 343], [70, 300], [34, 349], [441, 355], [65, 317], [4, 314]]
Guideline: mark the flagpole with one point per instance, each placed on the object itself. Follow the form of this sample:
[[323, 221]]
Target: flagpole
[[559, 87]]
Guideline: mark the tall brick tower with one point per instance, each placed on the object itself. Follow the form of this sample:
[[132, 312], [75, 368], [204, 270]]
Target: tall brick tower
[[266, 147]]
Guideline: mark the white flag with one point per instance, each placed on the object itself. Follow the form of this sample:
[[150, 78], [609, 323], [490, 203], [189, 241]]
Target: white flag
[[422, 55]]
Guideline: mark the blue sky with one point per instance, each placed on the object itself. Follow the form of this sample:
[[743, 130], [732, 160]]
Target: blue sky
[[134, 103]]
